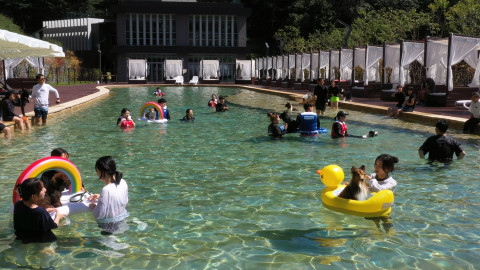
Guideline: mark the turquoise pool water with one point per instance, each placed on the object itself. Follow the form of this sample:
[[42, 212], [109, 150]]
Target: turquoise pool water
[[219, 194]]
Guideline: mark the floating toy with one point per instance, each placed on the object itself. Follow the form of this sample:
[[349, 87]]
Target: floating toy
[[46, 164], [313, 133], [159, 117], [379, 204]]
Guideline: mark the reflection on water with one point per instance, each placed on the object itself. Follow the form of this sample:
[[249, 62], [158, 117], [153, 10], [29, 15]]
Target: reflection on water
[[218, 193]]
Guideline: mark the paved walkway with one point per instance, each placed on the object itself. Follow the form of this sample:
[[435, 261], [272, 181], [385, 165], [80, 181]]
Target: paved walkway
[[78, 94]]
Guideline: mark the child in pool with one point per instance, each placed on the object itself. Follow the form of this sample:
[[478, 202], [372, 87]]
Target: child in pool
[[152, 114], [274, 130], [213, 102], [125, 120], [381, 180]]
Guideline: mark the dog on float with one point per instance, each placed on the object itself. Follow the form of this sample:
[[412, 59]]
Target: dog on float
[[357, 188], [54, 184]]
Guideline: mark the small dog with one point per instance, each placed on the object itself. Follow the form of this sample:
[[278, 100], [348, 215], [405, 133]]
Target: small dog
[[58, 183], [292, 124], [357, 189]]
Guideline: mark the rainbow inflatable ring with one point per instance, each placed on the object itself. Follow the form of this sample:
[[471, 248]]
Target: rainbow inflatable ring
[[378, 205], [144, 110], [50, 163]]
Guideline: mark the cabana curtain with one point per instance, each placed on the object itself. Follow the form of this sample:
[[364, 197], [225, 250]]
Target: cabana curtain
[[209, 69], [372, 66], [334, 62], [291, 64], [243, 68], [324, 62], [314, 64], [279, 67], [305, 65], [298, 65], [436, 62], [411, 51], [460, 48], [392, 57], [173, 68], [137, 69], [346, 64]]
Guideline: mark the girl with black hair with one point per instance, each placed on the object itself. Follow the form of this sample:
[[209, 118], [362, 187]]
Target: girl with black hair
[[274, 130], [110, 208], [381, 179], [32, 223]]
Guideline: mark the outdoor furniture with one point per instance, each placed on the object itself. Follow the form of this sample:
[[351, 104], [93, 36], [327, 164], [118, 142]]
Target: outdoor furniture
[[194, 80], [179, 80], [463, 104]]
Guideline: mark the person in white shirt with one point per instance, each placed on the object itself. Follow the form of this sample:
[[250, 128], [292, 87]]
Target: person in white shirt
[[110, 209], [40, 94], [474, 109]]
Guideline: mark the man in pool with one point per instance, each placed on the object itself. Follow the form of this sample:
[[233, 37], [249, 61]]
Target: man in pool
[[221, 106], [440, 146], [40, 94]]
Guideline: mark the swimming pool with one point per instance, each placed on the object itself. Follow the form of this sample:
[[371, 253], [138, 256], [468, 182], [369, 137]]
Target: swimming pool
[[219, 194]]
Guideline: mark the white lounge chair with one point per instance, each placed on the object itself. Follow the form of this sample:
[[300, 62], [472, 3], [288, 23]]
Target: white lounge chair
[[463, 104], [179, 80], [194, 80]]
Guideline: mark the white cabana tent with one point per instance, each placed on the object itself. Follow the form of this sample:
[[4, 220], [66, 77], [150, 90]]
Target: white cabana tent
[[436, 59], [279, 67], [392, 61], [334, 63], [291, 64], [173, 68], [410, 51], [210, 69], [346, 60], [137, 70], [298, 67], [463, 48], [315, 58], [269, 66], [305, 65], [372, 64], [243, 70], [285, 66], [324, 63], [14, 48]]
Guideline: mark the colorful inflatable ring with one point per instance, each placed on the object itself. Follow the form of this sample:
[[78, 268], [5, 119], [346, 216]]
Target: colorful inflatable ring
[[50, 163], [153, 104], [378, 205]]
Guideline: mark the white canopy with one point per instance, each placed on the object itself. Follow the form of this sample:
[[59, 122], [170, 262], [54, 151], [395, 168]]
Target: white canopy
[[411, 51], [298, 66], [464, 48], [291, 64], [325, 62], [173, 68], [334, 63], [209, 69], [392, 61], [314, 68], [305, 65], [13, 45], [372, 65], [346, 64], [137, 69], [285, 66], [436, 60], [244, 69], [279, 67]]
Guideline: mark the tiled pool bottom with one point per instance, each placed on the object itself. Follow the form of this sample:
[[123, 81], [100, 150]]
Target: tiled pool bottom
[[219, 194]]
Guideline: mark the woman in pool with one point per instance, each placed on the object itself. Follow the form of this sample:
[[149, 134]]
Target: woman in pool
[[125, 120], [110, 208], [213, 102], [274, 130], [31, 222], [188, 115]]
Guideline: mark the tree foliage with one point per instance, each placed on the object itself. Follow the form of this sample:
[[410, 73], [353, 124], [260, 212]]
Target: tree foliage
[[8, 24], [464, 17]]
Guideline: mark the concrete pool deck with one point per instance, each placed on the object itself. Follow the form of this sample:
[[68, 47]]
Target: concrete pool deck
[[77, 95]]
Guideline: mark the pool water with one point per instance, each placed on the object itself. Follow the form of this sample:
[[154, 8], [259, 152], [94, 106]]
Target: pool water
[[219, 194]]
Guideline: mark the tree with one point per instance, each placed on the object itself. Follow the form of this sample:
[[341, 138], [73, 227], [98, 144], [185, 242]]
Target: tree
[[463, 18], [8, 24]]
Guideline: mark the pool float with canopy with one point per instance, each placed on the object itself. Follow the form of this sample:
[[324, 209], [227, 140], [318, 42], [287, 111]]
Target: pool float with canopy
[[378, 205], [74, 200], [159, 118]]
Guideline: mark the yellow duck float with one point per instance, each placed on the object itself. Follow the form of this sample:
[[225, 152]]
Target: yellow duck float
[[378, 205]]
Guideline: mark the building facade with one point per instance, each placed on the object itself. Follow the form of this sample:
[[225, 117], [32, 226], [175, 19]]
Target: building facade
[[74, 34], [187, 30]]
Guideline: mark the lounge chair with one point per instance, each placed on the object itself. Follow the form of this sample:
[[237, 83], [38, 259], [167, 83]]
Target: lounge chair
[[463, 104], [179, 80], [194, 80]]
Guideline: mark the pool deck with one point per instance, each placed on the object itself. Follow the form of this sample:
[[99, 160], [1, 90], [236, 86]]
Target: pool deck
[[77, 95]]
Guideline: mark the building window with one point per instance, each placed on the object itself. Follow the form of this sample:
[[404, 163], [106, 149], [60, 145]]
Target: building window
[[150, 30], [213, 30]]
